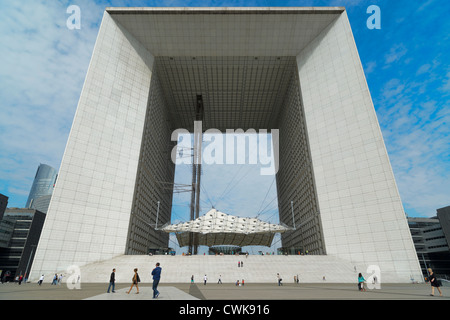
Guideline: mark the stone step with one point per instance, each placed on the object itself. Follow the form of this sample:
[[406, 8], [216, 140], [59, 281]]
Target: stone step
[[255, 269]]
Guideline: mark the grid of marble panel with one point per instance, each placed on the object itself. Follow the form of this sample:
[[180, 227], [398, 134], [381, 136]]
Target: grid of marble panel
[[362, 214], [238, 92], [89, 212], [295, 178], [153, 181], [210, 34]]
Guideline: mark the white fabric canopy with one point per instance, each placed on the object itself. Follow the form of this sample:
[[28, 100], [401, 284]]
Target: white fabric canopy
[[218, 228]]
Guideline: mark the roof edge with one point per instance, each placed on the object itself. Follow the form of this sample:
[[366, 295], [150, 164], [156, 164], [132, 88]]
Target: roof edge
[[224, 10]]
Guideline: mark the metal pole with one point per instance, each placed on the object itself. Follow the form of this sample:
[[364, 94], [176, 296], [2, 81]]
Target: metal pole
[[157, 214], [292, 209], [194, 176], [198, 139]]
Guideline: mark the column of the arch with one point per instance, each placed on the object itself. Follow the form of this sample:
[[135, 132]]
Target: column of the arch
[[360, 207], [89, 212]]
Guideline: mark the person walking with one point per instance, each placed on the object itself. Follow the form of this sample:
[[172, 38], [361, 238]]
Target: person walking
[[55, 279], [205, 279], [361, 281], [135, 280], [156, 273], [279, 279], [112, 281], [41, 279], [220, 279], [192, 279], [60, 278], [434, 282]]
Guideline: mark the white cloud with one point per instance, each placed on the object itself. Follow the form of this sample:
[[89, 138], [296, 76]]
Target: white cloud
[[370, 67], [446, 84], [393, 88], [395, 54], [42, 72], [423, 69], [417, 135]]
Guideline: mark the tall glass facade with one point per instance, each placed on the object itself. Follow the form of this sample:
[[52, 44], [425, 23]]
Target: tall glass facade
[[43, 184]]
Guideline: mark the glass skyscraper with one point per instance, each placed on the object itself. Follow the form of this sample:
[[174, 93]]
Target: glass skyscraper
[[43, 184]]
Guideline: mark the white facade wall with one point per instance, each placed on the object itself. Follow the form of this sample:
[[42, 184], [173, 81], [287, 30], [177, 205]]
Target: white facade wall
[[362, 215], [89, 213]]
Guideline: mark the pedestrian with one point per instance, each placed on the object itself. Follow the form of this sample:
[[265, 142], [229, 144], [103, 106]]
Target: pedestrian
[[239, 264], [435, 283], [242, 282], [205, 279], [220, 279], [112, 281], [361, 281], [279, 279], [41, 279], [156, 273], [55, 279], [20, 279], [135, 280], [192, 279], [60, 278]]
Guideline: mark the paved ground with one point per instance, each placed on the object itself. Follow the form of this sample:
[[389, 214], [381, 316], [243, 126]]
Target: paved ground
[[212, 291], [145, 293]]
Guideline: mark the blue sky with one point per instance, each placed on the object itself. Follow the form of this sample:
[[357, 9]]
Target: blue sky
[[407, 65]]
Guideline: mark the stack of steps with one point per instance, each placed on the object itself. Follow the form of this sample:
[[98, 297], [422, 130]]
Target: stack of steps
[[254, 269]]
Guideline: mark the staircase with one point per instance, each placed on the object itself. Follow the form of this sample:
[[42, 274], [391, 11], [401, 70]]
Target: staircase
[[255, 269]]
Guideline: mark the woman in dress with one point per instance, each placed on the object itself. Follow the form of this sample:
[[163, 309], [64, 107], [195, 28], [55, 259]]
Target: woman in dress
[[135, 281], [434, 282]]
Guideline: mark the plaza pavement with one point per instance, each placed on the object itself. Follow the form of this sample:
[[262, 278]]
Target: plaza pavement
[[225, 292]]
